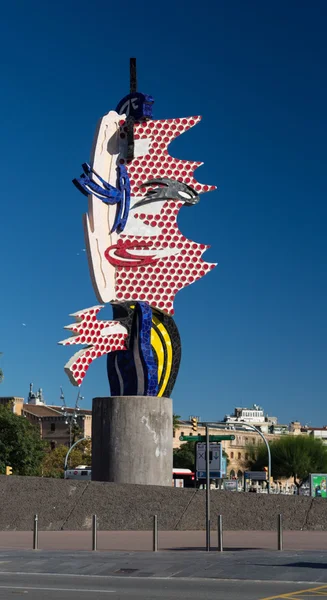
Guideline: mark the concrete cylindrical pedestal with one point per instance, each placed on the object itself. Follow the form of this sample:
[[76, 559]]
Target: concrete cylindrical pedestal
[[132, 440]]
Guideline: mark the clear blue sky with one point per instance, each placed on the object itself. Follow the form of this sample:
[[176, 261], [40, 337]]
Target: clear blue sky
[[253, 330]]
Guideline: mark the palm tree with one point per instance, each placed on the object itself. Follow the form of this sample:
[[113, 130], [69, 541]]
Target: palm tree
[[176, 421]]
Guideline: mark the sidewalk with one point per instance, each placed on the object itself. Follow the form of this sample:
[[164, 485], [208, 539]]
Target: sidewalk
[[168, 540]]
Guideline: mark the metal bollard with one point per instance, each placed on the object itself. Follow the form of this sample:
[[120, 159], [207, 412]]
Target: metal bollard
[[35, 533], [94, 533], [155, 533], [220, 533], [280, 532]]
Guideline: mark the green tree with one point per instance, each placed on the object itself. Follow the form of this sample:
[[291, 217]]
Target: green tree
[[183, 457], [76, 432], [291, 456], [54, 460], [21, 446], [176, 421]]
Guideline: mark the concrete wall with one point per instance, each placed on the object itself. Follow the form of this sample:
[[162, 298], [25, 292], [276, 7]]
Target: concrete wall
[[69, 505]]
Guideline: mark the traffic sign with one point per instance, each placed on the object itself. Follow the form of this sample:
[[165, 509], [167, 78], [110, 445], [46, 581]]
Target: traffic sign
[[202, 438], [256, 475], [231, 485], [215, 461], [213, 474]]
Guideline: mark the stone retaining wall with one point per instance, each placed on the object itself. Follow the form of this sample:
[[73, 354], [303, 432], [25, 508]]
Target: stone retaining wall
[[69, 505]]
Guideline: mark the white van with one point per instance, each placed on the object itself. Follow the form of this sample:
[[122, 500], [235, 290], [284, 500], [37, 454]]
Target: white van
[[80, 472]]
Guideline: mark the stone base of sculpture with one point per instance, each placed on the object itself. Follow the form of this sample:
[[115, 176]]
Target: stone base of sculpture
[[132, 440]]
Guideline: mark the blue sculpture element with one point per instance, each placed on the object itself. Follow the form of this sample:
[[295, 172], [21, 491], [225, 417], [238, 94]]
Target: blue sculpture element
[[134, 372], [136, 105], [108, 193], [125, 189]]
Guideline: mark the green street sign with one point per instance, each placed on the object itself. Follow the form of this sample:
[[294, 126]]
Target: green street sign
[[220, 438], [202, 438]]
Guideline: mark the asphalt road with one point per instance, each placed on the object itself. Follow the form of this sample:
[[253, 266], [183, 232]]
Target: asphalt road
[[58, 587], [233, 575]]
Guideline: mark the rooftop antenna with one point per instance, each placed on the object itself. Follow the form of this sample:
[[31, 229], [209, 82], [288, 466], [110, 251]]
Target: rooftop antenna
[[130, 120], [132, 75]]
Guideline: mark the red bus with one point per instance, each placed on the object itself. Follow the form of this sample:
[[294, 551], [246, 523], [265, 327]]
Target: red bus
[[183, 478]]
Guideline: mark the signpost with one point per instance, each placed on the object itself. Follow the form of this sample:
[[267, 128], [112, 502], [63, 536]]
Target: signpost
[[215, 460], [207, 439]]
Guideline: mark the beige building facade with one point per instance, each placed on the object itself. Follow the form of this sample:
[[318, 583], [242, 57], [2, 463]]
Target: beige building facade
[[13, 402], [55, 424], [58, 428]]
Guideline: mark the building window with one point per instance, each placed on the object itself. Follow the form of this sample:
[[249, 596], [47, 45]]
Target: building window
[[53, 445], [182, 433], [53, 427], [232, 454], [253, 440], [246, 456], [246, 440], [239, 456]]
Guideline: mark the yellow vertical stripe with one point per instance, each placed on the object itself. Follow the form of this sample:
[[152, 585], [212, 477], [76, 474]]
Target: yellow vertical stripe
[[169, 350]]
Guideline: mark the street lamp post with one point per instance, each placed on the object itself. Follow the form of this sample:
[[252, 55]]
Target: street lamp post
[[250, 426], [70, 418], [247, 426], [71, 448]]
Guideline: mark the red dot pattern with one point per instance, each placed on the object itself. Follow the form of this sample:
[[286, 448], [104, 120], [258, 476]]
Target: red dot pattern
[[89, 331], [158, 283], [158, 163]]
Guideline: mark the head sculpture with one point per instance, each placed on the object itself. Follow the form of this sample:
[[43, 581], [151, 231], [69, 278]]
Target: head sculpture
[[137, 256]]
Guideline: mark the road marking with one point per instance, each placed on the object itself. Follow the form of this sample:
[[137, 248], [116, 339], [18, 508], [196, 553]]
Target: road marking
[[300, 593], [161, 577], [54, 589]]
